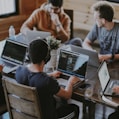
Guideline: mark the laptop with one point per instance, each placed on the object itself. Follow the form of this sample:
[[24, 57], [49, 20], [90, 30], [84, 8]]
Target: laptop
[[72, 63], [13, 55], [93, 56], [30, 36], [33, 34], [106, 82]]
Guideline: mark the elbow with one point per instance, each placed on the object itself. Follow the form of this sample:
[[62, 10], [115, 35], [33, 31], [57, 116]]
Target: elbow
[[68, 95]]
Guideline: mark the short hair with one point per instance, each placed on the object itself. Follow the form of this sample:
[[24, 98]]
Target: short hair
[[56, 3], [38, 50], [105, 10]]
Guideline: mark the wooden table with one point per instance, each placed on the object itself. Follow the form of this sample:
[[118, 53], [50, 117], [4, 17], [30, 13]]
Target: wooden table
[[79, 95]]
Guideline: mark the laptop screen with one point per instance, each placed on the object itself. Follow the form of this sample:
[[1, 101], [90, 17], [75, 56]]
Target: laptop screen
[[72, 63], [103, 75], [14, 51], [93, 56]]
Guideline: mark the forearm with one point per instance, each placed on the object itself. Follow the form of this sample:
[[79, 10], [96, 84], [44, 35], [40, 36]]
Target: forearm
[[62, 34], [116, 57], [87, 44], [108, 57]]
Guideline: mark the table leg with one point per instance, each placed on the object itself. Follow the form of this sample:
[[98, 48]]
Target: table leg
[[91, 110]]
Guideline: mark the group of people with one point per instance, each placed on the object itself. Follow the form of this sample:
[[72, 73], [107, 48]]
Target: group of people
[[52, 18]]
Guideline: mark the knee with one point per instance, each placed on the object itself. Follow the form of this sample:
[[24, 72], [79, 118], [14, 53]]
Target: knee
[[75, 41]]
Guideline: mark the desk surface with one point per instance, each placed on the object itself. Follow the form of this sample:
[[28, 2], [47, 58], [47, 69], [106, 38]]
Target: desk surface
[[97, 98], [79, 95]]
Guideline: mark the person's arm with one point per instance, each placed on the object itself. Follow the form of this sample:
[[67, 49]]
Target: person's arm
[[30, 22], [108, 57], [90, 38], [87, 44], [116, 89], [62, 31], [67, 92], [55, 74]]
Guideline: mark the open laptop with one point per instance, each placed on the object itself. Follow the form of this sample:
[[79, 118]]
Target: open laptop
[[93, 55], [30, 36], [33, 34], [72, 63], [13, 55], [106, 82]]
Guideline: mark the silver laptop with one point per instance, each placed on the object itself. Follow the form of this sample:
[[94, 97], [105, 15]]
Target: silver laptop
[[30, 36], [93, 56], [13, 55], [72, 63], [33, 34], [106, 82]]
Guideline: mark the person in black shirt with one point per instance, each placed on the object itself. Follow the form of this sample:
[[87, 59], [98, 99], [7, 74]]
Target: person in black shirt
[[47, 85]]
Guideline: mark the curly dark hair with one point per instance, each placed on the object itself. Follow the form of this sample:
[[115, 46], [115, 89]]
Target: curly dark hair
[[56, 3], [105, 10], [39, 51]]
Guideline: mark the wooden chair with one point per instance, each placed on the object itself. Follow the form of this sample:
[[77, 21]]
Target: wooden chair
[[70, 13], [22, 101]]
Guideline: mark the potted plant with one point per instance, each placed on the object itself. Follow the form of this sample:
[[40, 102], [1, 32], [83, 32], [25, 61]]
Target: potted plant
[[54, 45], [53, 42]]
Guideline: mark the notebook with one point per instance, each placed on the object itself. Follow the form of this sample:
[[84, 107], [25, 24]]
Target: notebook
[[106, 82], [93, 56], [13, 55], [33, 34]]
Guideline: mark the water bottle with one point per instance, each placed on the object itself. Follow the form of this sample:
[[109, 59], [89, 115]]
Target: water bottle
[[11, 32]]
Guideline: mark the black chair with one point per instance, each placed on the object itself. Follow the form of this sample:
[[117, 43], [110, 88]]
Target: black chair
[[70, 13]]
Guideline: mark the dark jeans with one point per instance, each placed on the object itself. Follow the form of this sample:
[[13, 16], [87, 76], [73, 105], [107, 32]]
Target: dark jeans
[[74, 41], [68, 109], [64, 109], [114, 115]]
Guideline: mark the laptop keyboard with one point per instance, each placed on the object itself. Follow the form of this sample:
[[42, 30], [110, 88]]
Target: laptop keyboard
[[9, 65], [112, 84], [64, 76]]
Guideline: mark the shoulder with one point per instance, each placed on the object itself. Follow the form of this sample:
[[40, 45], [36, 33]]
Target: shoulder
[[64, 15], [21, 68], [42, 9]]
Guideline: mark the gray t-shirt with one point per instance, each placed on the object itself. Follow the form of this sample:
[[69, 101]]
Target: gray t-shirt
[[108, 40]]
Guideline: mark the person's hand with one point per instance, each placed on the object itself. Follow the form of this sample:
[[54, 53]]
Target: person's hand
[[1, 67], [73, 79], [55, 74], [116, 89], [55, 18], [105, 57]]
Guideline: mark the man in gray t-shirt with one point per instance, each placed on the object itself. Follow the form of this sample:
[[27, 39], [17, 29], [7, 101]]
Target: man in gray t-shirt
[[105, 31]]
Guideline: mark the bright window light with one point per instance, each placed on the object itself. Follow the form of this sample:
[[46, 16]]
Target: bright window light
[[8, 7]]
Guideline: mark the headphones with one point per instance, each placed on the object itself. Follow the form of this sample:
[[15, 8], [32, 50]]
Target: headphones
[[48, 56]]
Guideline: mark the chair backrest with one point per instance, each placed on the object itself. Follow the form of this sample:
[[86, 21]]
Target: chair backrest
[[70, 13], [22, 101]]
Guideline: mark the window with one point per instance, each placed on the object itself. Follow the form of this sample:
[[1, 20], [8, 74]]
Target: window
[[8, 8]]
